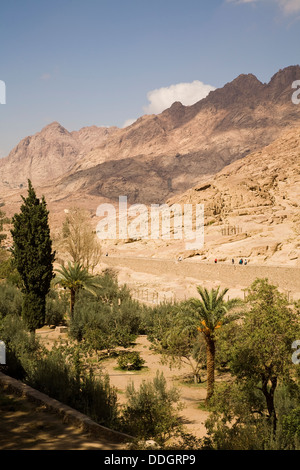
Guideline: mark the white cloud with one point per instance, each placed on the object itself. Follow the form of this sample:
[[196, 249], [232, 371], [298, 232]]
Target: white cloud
[[187, 93], [128, 122], [288, 7]]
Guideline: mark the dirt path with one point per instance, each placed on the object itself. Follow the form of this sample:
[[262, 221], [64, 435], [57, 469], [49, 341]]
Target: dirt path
[[26, 426], [191, 395], [155, 280]]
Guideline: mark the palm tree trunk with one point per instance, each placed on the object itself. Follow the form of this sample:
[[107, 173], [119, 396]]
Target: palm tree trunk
[[210, 358], [72, 302]]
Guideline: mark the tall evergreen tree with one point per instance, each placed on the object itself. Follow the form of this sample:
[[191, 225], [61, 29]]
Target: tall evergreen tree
[[32, 252]]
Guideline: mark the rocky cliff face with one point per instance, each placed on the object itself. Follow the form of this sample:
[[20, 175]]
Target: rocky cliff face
[[163, 155], [158, 156], [47, 155], [252, 206]]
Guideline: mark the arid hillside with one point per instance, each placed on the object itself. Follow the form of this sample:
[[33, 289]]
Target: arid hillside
[[158, 156], [251, 210], [252, 206]]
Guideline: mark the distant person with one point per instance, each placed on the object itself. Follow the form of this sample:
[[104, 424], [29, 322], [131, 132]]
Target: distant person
[[180, 258], [232, 261], [216, 260], [246, 262], [106, 254], [241, 261]]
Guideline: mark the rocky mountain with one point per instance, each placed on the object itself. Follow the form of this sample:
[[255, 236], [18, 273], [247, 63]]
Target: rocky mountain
[[48, 154], [252, 206], [158, 156]]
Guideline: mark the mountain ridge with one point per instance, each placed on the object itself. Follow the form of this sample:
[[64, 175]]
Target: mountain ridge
[[158, 156]]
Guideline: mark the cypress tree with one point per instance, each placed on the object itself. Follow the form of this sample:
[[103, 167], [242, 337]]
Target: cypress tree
[[32, 252]]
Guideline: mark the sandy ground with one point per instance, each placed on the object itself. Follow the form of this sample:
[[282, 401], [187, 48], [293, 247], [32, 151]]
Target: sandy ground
[[191, 394], [26, 426], [156, 280]]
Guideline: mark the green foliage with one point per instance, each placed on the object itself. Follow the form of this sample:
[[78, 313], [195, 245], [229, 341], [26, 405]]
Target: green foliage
[[238, 421], [261, 352], [205, 315], [9, 272], [152, 411], [130, 361], [256, 409], [75, 278], [34, 310], [10, 300], [22, 348], [33, 257], [63, 375], [158, 321], [103, 326], [107, 319], [176, 345], [56, 308]]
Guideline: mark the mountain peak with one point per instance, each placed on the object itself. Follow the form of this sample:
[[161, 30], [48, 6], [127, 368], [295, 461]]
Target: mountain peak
[[54, 127], [280, 85], [286, 75]]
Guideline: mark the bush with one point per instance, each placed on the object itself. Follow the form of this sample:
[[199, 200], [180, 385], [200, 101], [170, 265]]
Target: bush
[[10, 300], [23, 349], [105, 326], [9, 272], [151, 411], [62, 374], [131, 360], [56, 307]]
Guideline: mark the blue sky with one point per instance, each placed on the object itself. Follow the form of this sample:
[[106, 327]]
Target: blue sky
[[104, 62]]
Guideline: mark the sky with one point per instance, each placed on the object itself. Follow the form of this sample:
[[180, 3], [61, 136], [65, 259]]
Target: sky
[[108, 62]]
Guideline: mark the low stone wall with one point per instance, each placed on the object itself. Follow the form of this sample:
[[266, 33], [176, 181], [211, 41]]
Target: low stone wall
[[68, 414], [285, 277]]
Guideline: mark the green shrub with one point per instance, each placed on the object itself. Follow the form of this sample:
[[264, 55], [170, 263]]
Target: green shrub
[[23, 349], [104, 326], [63, 375], [60, 373], [10, 300], [56, 308], [152, 411], [9, 272], [131, 360]]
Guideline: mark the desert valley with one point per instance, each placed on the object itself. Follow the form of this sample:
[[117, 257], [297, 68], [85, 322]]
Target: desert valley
[[237, 152]]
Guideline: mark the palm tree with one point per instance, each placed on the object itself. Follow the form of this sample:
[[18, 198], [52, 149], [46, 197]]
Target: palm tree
[[74, 278], [207, 315]]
